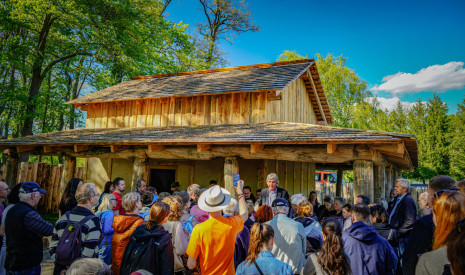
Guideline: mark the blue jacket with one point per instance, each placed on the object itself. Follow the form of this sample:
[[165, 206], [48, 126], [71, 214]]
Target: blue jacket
[[368, 252], [268, 265]]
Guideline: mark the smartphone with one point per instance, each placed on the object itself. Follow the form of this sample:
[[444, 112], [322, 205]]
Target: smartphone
[[235, 179]]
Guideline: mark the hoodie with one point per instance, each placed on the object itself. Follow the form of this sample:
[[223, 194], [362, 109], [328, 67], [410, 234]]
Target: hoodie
[[124, 225], [151, 250], [368, 252]]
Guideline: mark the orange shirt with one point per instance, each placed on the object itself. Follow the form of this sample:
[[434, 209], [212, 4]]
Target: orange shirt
[[213, 243]]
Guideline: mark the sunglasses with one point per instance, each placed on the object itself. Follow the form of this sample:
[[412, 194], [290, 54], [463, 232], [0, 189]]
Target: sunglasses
[[440, 192]]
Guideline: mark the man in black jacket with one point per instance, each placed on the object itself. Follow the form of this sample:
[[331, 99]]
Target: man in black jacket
[[421, 237], [403, 215], [25, 229], [271, 193]]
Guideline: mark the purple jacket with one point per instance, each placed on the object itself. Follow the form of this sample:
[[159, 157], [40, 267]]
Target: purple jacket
[[368, 252]]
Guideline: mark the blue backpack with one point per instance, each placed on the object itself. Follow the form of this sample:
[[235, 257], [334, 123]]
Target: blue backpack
[[187, 225], [69, 245]]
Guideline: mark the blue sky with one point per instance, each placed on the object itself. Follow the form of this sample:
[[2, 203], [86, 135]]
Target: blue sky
[[379, 38]]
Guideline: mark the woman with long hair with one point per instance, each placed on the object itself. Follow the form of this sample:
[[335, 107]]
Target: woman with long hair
[[311, 227], [124, 225], [106, 216], [260, 256], [331, 260], [338, 204], [448, 210], [455, 247], [68, 199], [264, 213], [150, 247], [327, 209], [174, 227]]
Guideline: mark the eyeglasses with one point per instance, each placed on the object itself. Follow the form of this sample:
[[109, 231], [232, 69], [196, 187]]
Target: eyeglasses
[[440, 192], [6, 189]]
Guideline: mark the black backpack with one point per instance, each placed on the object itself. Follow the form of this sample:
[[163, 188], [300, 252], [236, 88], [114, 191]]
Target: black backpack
[[69, 245]]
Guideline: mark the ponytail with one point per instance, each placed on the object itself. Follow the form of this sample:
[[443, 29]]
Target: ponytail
[[332, 258], [260, 234]]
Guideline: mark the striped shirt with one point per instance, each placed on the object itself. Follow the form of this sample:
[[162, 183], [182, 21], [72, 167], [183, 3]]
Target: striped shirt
[[90, 231]]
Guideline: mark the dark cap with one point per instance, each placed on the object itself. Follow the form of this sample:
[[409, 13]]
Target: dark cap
[[280, 202], [175, 184], [30, 187]]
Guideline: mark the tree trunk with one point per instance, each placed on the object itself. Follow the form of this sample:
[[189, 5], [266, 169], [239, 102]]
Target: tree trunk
[[363, 178], [12, 169]]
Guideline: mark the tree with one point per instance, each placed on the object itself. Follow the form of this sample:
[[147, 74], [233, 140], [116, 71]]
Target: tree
[[290, 56], [225, 20], [457, 146]]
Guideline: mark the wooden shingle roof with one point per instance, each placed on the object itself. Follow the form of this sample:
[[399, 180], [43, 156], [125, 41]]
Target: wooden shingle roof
[[253, 78], [260, 133]]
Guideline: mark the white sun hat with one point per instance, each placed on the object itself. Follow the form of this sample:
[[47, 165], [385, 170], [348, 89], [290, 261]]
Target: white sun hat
[[214, 199]]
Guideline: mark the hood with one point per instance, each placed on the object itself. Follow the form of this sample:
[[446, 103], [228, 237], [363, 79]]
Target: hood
[[122, 223], [362, 232], [305, 221], [381, 226], [142, 233]]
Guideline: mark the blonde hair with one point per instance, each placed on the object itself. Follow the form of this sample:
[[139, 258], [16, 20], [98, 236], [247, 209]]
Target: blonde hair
[[305, 209], [175, 208], [130, 201], [106, 202], [84, 192]]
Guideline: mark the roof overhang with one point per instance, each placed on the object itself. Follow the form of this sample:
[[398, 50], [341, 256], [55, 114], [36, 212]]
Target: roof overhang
[[283, 141]]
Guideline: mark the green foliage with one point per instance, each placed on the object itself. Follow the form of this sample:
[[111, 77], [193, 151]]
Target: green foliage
[[290, 56]]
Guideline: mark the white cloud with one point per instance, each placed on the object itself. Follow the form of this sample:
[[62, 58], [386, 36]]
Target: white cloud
[[437, 78], [390, 103]]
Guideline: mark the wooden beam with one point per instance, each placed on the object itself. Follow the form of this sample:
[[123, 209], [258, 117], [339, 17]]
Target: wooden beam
[[80, 148], [401, 148], [203, 147], [331, 148], [117, 148], [25, 148], [155, 148], [231, 166], [48, 149], [255, 148], [317, 97]]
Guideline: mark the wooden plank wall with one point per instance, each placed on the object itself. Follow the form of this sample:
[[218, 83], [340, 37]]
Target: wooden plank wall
[[236, 108], [295, 177], [294, 106]]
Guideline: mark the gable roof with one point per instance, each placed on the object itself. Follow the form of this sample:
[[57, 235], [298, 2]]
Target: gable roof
[[253, 78]]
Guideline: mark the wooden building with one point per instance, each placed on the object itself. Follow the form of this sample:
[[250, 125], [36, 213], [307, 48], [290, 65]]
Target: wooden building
[[197, 126]]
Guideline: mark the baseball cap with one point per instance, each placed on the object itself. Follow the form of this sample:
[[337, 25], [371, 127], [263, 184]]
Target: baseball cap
[[279, 202], [30, 187]]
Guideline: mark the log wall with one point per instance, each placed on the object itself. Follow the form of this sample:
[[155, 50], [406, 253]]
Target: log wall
[[236, 108], [294, 106]]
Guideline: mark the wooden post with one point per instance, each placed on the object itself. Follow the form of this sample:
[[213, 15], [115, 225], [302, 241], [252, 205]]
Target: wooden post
[[12, 169], [379, 180], [138, 171], [231, 166], [311, 178], [363, 178], [339, 183], [68, 172]]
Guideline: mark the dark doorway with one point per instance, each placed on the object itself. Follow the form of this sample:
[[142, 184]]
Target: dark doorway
[[162, 179]]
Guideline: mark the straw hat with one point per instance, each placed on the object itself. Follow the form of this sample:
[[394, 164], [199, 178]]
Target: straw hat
[[214, 199]]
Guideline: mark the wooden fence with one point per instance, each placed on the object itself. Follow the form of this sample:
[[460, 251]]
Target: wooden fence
[[48, 177]]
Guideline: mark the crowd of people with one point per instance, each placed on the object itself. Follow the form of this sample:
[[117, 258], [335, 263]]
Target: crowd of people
[[208, 231]]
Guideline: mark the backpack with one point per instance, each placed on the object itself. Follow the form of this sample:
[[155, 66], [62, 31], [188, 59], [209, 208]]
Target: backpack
[[187, 225], [69, 245]]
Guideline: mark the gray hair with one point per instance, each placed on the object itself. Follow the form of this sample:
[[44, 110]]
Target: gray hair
[[404, 183], [297, 198], [423, 196], [272, 176], [88, 266], [281, 209], [192, 188], [232, 208], [139, 183], [340, 200], [382, 202], [26, 196]]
